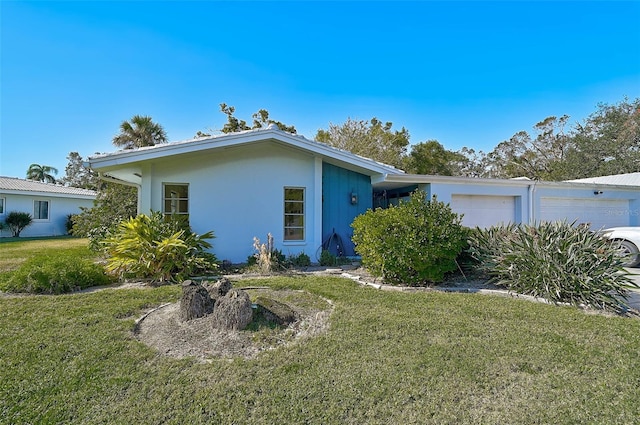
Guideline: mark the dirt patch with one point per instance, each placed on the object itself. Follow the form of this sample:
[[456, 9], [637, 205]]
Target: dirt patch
[[162, 329]]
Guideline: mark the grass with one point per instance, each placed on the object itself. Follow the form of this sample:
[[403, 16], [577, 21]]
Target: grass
[[387, 358], [15, 251]]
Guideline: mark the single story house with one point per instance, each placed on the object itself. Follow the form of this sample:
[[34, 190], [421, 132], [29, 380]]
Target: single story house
[[247, 184], [48, 204]]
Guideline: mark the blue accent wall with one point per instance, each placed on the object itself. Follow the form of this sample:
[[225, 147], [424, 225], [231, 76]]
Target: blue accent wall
[[337, 210]]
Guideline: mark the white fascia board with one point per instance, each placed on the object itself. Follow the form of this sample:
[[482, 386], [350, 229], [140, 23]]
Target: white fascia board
[[41, 194], [409, 179], [120, 158]]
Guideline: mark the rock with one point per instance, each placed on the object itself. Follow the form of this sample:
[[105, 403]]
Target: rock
[[218, 289], [232, 311], [275, 311], [195, 301]]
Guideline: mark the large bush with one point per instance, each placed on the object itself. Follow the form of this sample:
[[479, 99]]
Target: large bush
[[151, 247], [414, 243], [55, 274], [558, 261]]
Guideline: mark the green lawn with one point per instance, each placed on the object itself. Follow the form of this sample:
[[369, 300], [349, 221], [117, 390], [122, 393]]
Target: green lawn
[[14, 251], [388, 358]]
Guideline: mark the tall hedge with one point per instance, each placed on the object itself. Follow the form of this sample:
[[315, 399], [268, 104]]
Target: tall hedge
[[415, 243]]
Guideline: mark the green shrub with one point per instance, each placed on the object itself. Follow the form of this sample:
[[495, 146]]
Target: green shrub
[[486, 245], [558, 261], [300, 260], [151, 247], [55, 274], [17, 221], [327, 258], [414, 243], [68, 224]]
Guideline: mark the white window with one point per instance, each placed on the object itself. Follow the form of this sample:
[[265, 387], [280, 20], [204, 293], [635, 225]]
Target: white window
[[293, 214], [41, 210], [1, 205], [176, 200]]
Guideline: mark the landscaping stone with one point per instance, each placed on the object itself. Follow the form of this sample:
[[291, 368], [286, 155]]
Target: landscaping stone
[[232, 311], [275, 311], [218, 289], [195, 301]]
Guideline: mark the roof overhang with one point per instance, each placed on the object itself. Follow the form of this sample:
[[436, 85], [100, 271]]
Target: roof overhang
[[397, 181], [43, 194], [125, 165]]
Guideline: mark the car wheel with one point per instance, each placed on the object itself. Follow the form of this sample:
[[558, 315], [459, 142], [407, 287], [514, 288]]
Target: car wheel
[[630, 252]]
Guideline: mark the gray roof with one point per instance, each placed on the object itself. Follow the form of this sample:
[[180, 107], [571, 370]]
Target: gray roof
[[630, 179], [22, 186]]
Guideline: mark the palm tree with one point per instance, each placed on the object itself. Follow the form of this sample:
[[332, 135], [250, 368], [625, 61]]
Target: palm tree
[[138, 132], [41, 173]]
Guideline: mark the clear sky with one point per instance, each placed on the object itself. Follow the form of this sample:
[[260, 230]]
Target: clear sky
[[464, 73]]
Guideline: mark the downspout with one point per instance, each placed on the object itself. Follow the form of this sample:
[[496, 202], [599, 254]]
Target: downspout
[[530, 190]]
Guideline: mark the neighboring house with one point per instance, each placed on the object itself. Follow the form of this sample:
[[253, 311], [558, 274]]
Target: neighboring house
[[629, 179], [247, 184], [48, 204]]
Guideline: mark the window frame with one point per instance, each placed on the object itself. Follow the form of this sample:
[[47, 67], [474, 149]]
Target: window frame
[[3, 205], [287, 238], [177, 213], [35, 218]]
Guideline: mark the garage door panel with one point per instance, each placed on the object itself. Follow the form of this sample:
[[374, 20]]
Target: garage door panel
[[484, 211], [595, 212]]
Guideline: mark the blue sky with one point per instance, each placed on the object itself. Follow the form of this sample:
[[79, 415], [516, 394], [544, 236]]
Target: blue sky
[[464, 73]]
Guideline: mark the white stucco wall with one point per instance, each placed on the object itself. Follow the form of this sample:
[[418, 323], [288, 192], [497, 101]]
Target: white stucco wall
[[239, 194], [599, 205], [491, 198], [59, 208]]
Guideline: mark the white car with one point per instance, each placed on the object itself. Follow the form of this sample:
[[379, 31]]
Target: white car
[[629, 239]]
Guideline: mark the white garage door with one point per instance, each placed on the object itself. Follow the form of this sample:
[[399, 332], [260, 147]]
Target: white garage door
[[599, 213], [484, 211]]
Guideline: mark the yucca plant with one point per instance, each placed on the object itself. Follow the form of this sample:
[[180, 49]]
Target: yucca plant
[[486, 245], [16, 221], [150, 247], [559, 261]]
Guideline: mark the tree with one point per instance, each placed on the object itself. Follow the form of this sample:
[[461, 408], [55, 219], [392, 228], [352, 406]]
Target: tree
[[260, 120], [77, 175], [233, 124], [41, 173], [17, 221], [371, 139], [471, 163], [114, 203], [140, 131], [539, 159], [607, 142], [431, 157]]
